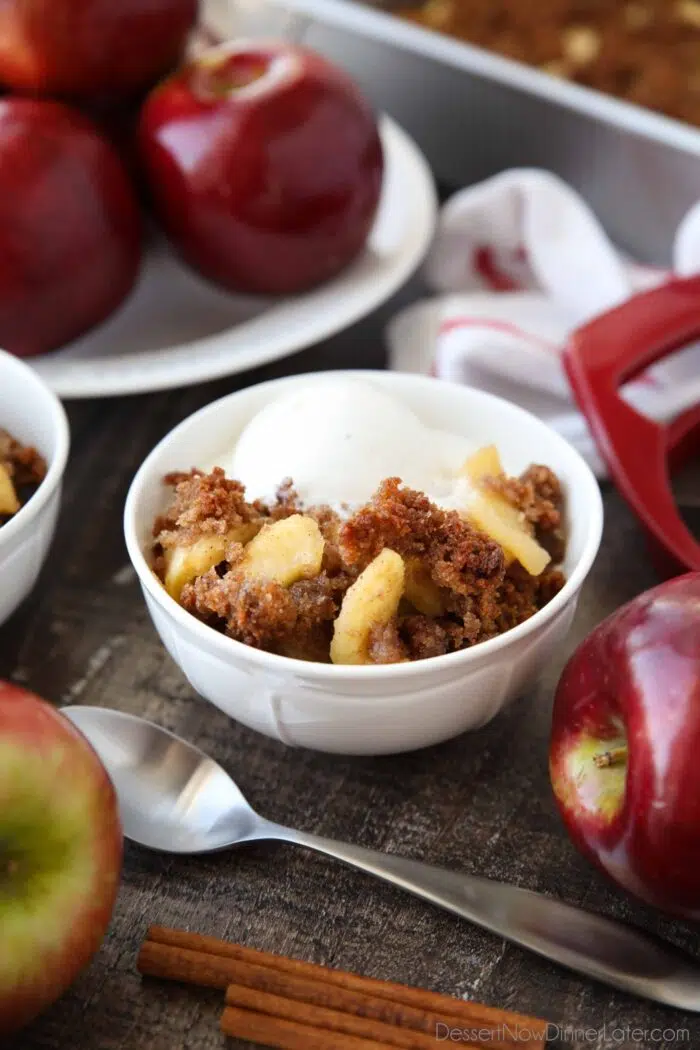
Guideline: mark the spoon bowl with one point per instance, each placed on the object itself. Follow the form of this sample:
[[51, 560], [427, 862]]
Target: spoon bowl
[[175, 799]]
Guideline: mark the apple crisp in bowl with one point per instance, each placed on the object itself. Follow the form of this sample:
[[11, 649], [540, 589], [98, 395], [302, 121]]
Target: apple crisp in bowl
[[398, 579], [415, 575], [22, 469]]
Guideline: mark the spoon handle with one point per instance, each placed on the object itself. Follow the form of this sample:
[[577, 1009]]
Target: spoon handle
[[590, 944]]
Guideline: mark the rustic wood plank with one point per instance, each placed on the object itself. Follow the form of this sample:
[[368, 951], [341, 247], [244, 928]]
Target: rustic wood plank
[[480, 803]]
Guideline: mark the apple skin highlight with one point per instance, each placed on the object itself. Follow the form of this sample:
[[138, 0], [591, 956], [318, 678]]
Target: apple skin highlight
[[634, 684], [61, 848]]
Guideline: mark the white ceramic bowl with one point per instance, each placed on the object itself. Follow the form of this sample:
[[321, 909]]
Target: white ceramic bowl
[[34, 416], [382, 709]]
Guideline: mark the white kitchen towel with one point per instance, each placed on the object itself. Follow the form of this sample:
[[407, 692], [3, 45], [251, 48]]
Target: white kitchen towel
[[518, 263]]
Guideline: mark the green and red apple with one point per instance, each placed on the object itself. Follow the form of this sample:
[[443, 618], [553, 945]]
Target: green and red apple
[[60, 855], [625, 747]]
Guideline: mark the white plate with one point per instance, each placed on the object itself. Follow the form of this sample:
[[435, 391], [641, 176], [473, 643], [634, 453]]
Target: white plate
[[177, 330]]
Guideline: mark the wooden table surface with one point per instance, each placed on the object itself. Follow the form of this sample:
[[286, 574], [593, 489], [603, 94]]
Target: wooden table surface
[[480, 803]]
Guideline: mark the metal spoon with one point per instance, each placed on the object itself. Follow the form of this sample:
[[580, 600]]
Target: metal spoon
[[175, 799]]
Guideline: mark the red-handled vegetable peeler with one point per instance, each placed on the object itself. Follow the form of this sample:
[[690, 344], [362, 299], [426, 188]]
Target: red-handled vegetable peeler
[[641, 454]]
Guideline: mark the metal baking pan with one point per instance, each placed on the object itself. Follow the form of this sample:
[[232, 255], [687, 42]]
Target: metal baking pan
[[474, 114]]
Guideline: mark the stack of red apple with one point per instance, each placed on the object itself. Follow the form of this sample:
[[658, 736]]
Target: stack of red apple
[[262, 163]]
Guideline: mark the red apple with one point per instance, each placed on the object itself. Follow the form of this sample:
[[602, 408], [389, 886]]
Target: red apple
[[625, 747], [70, 227], [265, 164], [60, 855], [89, 48]]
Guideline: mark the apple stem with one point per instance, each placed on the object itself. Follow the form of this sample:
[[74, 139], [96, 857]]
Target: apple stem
[[615, 757]]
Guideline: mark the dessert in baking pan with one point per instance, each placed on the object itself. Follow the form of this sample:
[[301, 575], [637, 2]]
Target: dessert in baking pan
[[643, 51]]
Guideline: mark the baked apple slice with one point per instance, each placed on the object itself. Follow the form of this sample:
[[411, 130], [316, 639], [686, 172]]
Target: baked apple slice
[[499, 519]]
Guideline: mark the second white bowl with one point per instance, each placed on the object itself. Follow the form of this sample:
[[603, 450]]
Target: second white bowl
[[378, 709], [34, 416]]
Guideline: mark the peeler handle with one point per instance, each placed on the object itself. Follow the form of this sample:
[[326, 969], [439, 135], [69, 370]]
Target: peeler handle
[[639, 452]]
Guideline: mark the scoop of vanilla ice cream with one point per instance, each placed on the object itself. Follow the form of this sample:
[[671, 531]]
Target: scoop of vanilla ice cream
[[338, 439]]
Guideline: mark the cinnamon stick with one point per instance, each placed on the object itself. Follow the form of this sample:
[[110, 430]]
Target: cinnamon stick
[[179, 964], [288, 1035], [196, 959], [330, 1020]]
